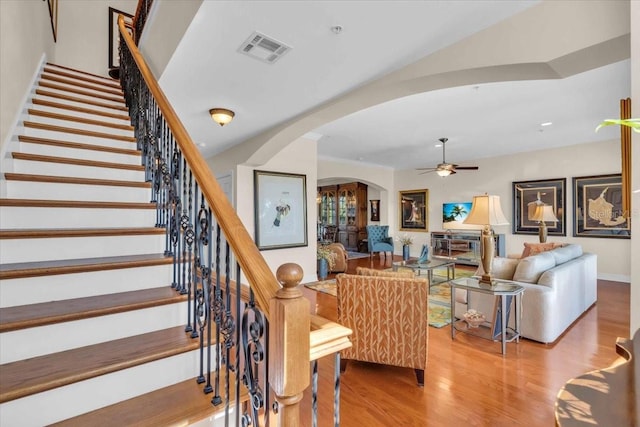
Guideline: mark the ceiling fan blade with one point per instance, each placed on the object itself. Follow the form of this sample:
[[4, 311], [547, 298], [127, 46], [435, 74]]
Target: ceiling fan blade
[[427, 171], [470, 168]]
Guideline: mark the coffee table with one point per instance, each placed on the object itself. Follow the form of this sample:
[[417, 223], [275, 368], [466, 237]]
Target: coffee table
[[428, 266]]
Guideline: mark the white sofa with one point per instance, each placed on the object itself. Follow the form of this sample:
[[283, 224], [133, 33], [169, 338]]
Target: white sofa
[[560, 285]]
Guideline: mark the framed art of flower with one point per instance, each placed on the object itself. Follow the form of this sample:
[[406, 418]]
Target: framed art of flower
[[280, 210], [528, 195], [597, 210]]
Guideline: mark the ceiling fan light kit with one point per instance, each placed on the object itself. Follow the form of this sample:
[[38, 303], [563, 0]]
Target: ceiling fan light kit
[[445, 169]]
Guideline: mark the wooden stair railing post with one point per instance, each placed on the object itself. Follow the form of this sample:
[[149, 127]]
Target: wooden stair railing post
[[289, 344]]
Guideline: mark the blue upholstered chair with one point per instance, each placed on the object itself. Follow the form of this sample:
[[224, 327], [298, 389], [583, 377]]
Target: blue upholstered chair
[[378, 239]]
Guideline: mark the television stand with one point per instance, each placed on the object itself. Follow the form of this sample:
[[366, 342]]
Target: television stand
[[462, 246]]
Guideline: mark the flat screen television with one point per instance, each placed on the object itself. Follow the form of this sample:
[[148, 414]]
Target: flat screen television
[[453, 215]]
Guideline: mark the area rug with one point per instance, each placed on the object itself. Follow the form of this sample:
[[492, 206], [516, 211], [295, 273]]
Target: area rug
[[439, 296], [356, 255]]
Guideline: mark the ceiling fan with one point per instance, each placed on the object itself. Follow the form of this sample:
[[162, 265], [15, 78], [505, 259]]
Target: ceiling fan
[[444, 168]]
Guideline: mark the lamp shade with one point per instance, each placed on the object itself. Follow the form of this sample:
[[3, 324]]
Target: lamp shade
[[443, 172], [544, 213], [486, 210], [222, 116]]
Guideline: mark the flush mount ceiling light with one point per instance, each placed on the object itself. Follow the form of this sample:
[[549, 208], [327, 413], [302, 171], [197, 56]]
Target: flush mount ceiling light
[[222, 116]]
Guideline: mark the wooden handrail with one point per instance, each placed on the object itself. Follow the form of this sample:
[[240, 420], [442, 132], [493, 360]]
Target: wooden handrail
[[254, 267]]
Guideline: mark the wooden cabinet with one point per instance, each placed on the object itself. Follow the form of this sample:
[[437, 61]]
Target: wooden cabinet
[[345, 205]]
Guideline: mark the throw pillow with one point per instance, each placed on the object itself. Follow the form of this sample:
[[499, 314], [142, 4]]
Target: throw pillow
[[536, 248]]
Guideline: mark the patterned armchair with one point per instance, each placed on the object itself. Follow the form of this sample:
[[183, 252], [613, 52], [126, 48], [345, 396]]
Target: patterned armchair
[[389, 320], [378, 239]]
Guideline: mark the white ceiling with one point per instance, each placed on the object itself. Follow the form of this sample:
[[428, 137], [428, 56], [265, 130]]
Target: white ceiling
[[378, 37]]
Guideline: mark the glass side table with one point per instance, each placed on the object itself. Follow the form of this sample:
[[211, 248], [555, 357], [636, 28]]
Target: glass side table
[[504, 291], [428, 266]]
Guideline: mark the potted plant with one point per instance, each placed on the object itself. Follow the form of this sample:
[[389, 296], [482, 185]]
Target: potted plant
[[326, 261], [406, 241]]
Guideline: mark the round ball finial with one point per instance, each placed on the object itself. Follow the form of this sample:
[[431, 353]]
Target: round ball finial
[[289, 275]]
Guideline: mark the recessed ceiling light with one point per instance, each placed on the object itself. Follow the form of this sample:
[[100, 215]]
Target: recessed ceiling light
[[438, 145], [546, 124], [336, 29], [202, 144]]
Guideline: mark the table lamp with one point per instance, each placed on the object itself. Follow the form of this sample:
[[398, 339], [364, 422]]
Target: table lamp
[[542, 214], [486, 211]]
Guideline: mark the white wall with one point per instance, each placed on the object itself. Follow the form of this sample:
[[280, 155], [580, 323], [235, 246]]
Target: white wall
[[298, 157], [25, 36], [83, 33], [495, 177]]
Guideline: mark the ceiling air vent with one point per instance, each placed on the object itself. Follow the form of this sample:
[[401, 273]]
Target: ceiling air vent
[[266, 49]]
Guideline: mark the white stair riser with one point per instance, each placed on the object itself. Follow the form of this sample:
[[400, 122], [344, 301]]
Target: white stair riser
[[75, 399], [33, 342], [33, 250], [33, 290], [70, 84], [80, 171], [81, 114], [83, 139], [79, 125], [57, 191], [108, 106], [75, 153], [77, 74], [21, 217], [95, 96]]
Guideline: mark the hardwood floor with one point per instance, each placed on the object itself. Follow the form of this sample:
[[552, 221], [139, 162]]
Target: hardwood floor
[[467, 381]]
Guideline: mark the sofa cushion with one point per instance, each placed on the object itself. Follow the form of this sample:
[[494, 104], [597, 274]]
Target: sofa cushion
[[566, 253], [531, 268], [363, 271], [536, 248]]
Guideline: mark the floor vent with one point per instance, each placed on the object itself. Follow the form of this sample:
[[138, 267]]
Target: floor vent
[[264, 48]]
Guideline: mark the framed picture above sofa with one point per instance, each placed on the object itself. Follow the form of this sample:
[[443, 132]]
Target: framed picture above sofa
[[598, 207], [529, 195]]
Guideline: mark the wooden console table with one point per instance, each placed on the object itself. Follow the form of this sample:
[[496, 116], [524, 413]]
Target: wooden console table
[[604, 397]]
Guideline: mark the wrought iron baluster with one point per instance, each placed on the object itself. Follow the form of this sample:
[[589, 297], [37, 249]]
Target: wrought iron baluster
[[314, 393], [336, 392], [189, 236], [228, 327], [217, 310], [236, 367], [253, 331]]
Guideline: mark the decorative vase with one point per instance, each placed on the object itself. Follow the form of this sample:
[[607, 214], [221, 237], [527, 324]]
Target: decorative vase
[[405, 252], [323, 269]]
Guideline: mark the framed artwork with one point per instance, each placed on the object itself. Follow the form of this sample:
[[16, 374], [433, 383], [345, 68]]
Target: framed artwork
[[413, 210], [375, 210], [528, 195], [114, 35], [280, 209], [454, 214], [597, 210]]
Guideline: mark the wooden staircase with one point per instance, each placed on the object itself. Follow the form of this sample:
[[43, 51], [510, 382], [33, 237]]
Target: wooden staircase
[[91, 332]]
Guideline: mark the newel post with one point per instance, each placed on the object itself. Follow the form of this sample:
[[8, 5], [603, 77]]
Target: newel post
[[289, 327]]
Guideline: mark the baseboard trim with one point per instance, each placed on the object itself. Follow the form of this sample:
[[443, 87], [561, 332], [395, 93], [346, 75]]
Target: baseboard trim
[[615, 277]]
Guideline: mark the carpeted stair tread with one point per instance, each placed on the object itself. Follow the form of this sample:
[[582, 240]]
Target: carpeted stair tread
[[180, 404], [35, 375], [47, 313], [69, 266]]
